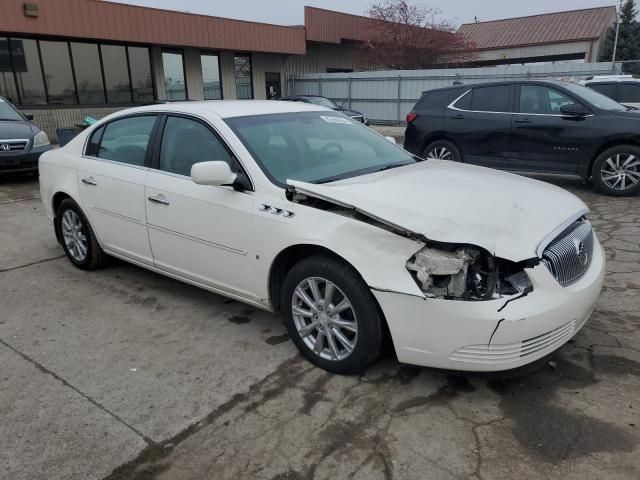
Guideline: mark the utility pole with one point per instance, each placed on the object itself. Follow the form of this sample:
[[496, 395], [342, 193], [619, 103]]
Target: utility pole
[[615, 42]]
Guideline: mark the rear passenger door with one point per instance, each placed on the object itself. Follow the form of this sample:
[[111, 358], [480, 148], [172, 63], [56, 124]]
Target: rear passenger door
[[480, 123], [111, 184]]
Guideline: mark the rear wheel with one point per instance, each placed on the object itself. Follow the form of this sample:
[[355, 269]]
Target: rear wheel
[[617, 171], [442, 150], [331, 316], [78, 240]]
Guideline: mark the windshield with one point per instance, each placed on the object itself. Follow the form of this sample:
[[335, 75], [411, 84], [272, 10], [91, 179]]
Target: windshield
[[315, 147], [7, 112], [323, 102], [594, 98]]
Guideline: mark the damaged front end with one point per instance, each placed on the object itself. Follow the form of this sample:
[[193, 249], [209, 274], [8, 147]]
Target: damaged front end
[[466, 273]]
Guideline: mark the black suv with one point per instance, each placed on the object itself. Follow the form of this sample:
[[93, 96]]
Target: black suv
[[21, 142], [531, 126]]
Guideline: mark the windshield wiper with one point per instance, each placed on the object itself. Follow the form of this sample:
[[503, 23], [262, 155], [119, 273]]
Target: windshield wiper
[[392, 166]]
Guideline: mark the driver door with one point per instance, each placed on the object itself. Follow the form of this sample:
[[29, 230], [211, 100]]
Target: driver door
[[198, 232]]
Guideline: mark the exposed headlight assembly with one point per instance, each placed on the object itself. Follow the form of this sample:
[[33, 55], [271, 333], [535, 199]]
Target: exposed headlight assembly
[[40, 140], [466, 273]]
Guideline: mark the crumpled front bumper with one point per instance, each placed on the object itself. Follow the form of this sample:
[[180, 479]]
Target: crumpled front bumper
[[489, 336]]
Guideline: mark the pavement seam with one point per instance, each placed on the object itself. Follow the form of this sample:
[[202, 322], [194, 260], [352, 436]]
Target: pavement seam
[[16, 200], [31, 264], [46, 371]]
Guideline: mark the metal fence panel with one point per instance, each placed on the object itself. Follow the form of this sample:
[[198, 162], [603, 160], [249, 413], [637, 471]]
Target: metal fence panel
[[387, 96]]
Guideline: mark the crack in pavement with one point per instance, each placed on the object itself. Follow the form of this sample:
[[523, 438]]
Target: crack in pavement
[[46, 371], [32, 264]]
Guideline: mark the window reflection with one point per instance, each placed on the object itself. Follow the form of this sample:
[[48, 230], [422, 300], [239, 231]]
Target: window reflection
[[86, 63], [211, 77], [116, 74], [244, 88], [57, 72]]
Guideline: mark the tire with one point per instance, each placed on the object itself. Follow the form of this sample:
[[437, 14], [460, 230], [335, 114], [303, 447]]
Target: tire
[[442, 150], [616, 171], [69, 218], [361, 315]]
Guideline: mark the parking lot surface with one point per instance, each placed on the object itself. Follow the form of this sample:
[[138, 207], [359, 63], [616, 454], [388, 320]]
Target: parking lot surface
[[122, 373]]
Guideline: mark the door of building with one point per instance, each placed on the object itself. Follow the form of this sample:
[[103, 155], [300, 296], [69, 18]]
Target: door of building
[[273, 86]]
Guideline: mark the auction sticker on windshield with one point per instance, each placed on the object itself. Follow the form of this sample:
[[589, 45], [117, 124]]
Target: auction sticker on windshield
[[342, 121]]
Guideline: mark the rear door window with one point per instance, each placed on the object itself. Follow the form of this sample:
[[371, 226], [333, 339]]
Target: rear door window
[[491, 99], [127, 140], [629, 93], [607, 89]]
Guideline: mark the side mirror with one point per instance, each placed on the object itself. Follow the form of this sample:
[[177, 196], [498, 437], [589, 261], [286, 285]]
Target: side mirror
[[28, 116], [392, 140], [574, 110], [212, 173]]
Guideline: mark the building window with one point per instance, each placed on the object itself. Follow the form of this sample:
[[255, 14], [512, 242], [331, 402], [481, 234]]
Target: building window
[[86, 61], [174, 84], [116, 73], [141, 79], [7, 80], [244, 88], [57, 72], [211, 76], [26, 65]]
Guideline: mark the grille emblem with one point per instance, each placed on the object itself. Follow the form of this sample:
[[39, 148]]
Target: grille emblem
[[581, 251], [5, 147]]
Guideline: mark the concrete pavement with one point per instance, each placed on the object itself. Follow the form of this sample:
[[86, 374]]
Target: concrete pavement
[[122, 373]]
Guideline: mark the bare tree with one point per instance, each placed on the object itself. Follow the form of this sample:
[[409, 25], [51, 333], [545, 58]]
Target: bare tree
[[409, 35]]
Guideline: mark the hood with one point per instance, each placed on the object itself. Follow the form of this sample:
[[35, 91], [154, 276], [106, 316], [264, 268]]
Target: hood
[[17, 129], [449, 202]]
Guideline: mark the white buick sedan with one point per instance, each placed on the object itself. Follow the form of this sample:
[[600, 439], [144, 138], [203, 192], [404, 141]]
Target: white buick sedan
[[298, 209]]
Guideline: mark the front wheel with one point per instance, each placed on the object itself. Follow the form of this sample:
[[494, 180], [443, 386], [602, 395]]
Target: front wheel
[[616, 171], [442, 150], [331, 315]]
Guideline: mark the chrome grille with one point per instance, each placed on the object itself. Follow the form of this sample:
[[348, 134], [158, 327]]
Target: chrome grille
[[568, 256], [13, 145]]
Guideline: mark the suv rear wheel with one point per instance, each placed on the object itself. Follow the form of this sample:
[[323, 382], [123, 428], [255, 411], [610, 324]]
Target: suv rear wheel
[[617, 171], [442, 150]]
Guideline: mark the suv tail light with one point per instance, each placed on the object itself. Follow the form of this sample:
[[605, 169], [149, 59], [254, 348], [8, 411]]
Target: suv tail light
[[411, 117]]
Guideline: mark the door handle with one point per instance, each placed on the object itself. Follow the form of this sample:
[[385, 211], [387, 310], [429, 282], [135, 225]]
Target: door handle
[[159, 199], [523, 120], [90, 181], [458, 117]]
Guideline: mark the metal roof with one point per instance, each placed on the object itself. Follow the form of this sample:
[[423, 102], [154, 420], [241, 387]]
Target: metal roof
[[560, 27], [103, 20]]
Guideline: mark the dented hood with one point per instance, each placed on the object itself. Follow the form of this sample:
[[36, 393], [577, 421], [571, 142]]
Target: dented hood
[[506, 214]]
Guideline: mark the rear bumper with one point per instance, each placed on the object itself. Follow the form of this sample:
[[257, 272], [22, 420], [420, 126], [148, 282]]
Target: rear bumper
[[27, 161], [476, 336]]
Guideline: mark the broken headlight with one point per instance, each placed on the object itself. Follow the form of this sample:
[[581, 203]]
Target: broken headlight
[[466, 273]]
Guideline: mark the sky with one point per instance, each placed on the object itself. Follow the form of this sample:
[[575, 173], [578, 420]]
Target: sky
[[291, 12]]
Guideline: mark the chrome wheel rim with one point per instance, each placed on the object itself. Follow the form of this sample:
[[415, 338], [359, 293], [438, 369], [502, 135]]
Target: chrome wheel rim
[[621, 171], [440, 153], [324, 319], [74, 235]]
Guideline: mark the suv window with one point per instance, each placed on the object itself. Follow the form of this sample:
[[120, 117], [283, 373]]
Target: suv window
[[124, 140], [629, 93], [607, 89], [542, 100], [491, 99], [185, 142]]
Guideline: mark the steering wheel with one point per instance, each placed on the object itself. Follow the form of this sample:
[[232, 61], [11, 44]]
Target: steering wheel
[[329, 146]]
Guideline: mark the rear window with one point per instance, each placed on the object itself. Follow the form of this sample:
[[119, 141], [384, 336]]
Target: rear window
[[491, 99], [437, 98]]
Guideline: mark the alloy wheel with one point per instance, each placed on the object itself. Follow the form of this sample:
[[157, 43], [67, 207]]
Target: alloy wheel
[[324, 318], [74, 235], [621, 171], [440, 153]]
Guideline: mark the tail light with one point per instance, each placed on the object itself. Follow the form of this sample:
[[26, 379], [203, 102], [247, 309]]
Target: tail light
[[411, 117]]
